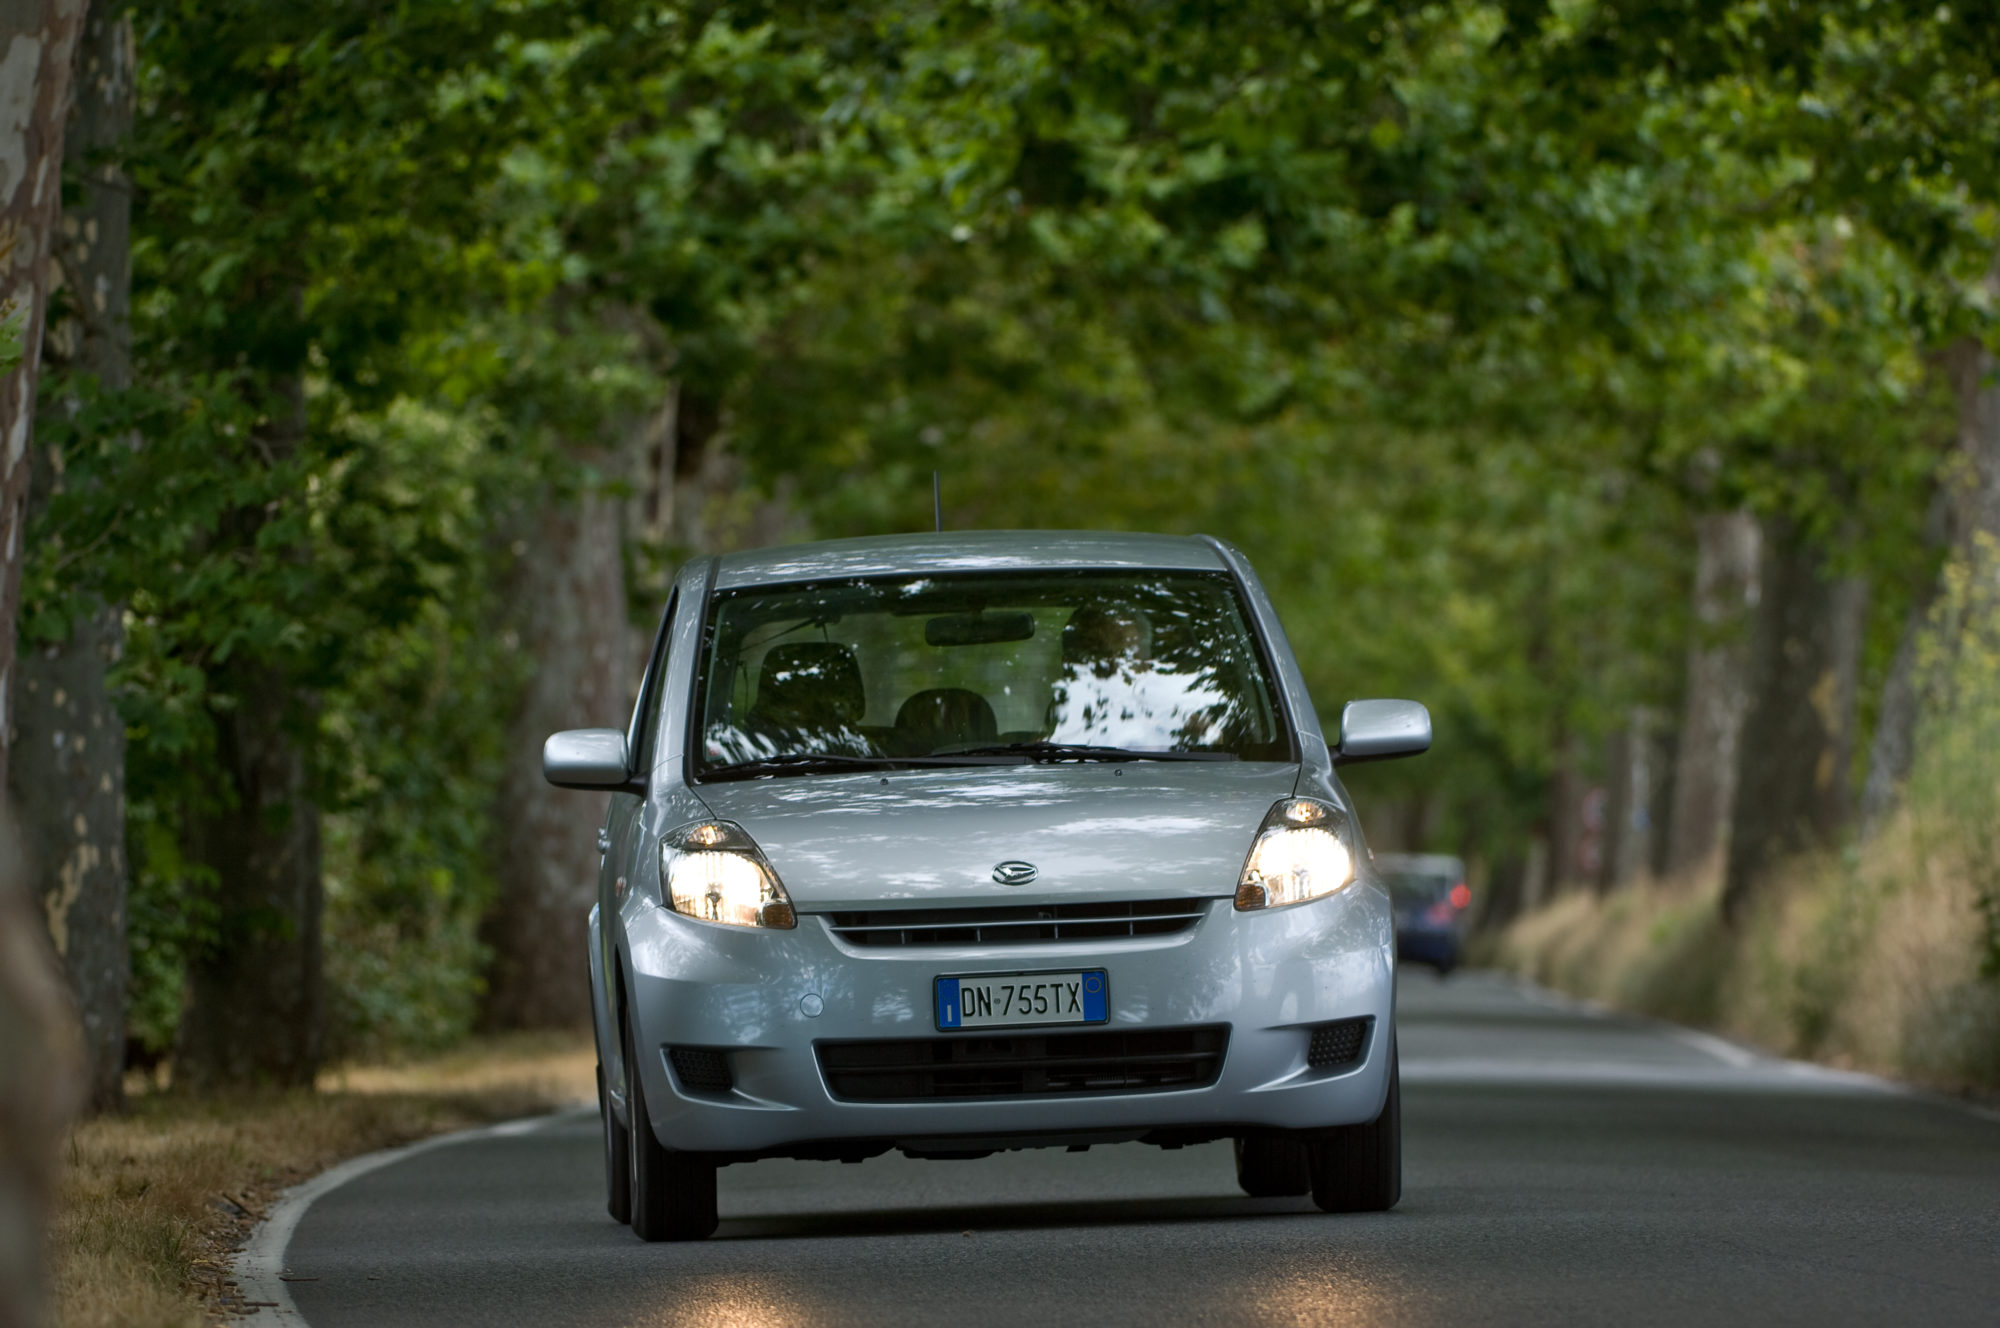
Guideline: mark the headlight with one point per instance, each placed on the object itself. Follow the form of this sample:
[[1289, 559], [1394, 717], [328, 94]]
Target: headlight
[[1301, 853], [713, 871]]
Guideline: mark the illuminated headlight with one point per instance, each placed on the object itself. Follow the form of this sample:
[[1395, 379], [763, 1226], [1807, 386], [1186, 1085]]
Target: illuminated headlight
[[713, 871], [1301, 853]]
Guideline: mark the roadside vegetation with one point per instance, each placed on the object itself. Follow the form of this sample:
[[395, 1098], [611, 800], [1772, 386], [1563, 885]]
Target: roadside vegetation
[[153, 1201], [1881, 954]]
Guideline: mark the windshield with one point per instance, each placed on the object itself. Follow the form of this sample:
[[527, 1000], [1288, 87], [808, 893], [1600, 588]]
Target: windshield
[[1417, 887], [958, 669]]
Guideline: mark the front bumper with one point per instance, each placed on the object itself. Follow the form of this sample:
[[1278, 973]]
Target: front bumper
[[1436, 946], [1267, 975]]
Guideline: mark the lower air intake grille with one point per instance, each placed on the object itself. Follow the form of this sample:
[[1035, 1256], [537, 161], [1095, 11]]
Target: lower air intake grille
[[701, 1069], [1018, 924], [1337, 1044], [1024, 1064]]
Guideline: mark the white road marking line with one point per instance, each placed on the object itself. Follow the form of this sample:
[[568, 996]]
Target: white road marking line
[[260, 1266], [1726, 1052], [1496, 1072], [1756, 1070]]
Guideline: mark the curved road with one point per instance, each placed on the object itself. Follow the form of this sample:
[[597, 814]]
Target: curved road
[[1560, 1165]]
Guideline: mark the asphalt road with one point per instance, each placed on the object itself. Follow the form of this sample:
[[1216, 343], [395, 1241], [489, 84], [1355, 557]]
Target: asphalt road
[[1560, 1166]]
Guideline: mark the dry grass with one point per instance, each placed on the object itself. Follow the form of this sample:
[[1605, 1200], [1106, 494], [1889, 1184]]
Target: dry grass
[[154, 1201], [1865, 961]]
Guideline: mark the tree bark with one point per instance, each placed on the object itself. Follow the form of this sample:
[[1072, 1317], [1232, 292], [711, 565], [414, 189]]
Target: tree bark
[[256, 1008], [569, 610], [1630, 771], [67, 772], [40, 1085], [1725, 591], [1893, 749], [1796, 743], [1970, 490], [37, 46], [1566, 795]]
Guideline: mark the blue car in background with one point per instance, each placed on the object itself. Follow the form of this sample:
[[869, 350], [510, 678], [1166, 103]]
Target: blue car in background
[[1431, 899]]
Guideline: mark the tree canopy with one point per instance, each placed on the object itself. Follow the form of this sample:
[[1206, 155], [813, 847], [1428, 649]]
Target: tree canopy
[[1455, 316]]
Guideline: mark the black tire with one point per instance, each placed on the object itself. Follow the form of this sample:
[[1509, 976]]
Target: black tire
[[617, 1159], [1359, 1168], [1273, 1168], [672, 1194]]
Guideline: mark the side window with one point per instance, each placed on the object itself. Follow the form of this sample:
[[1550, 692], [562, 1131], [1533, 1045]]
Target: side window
[[644, 740]]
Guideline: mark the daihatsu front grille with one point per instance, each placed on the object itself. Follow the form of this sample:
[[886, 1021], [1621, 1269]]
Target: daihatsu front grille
[[1020, 924]]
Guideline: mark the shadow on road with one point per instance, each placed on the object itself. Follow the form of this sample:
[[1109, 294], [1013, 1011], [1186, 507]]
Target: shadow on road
[[969, 1218]]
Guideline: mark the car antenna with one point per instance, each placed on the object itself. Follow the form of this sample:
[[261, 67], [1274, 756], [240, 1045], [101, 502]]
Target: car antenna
[[937, 500]]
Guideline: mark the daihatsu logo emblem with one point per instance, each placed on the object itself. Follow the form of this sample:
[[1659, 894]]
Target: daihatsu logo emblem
[[1014, 872]]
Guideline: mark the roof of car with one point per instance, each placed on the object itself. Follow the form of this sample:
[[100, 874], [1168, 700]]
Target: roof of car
[[1420, 862], [965, 551]]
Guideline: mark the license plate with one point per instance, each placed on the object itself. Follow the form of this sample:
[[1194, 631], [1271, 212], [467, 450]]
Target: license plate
[[1015, 1000]]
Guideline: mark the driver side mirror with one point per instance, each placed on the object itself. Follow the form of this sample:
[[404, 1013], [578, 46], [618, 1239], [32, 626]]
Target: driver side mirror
[[1379, 730], [586, 759]]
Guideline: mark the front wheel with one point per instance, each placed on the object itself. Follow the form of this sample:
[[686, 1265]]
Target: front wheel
[[1359, 1168], [673, 1194]]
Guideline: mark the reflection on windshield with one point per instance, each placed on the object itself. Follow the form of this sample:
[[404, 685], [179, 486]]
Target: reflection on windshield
[[925, 669]]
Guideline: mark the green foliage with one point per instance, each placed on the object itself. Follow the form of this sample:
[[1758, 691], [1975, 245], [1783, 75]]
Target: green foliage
[[272, 501], [1453, 315]]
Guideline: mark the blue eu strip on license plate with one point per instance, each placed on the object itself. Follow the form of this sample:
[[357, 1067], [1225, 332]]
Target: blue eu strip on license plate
[[1020, 1000]]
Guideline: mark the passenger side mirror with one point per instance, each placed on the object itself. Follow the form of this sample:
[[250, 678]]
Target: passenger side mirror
[[1378, 730], [586, 759]]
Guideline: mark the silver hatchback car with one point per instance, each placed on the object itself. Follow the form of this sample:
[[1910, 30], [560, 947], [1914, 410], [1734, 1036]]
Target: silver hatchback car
[[964, 842]]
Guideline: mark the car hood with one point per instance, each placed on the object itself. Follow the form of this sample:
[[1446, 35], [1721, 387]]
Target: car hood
[[931, 838]]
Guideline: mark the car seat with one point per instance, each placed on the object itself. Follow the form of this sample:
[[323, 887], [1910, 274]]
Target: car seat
[[808, 687], [943, 718]]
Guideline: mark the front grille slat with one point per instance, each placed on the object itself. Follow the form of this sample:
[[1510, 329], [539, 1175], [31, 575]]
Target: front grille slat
[[1020, 924], [1024, 1064], [1016, 1063]]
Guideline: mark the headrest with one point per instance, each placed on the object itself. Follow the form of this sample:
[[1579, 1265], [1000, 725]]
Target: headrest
[[811, 682], [1101, 632], [950, 713]]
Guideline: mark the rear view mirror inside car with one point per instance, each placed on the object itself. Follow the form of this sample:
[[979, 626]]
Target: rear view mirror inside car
[[978, 629]]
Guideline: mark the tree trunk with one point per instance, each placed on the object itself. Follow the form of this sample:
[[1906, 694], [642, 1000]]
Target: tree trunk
[[257, 1000], [256, 1010], [1566, 848], [1630, 771], [1797, 738], [40, 1083], [1505, 895], [1970, 490], [569, 611], [37, 46], [1893, 749], [1725, 591], [67, 772]]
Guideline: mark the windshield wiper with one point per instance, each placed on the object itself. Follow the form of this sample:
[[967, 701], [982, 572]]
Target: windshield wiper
[[1084, 751], [811, 763]]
